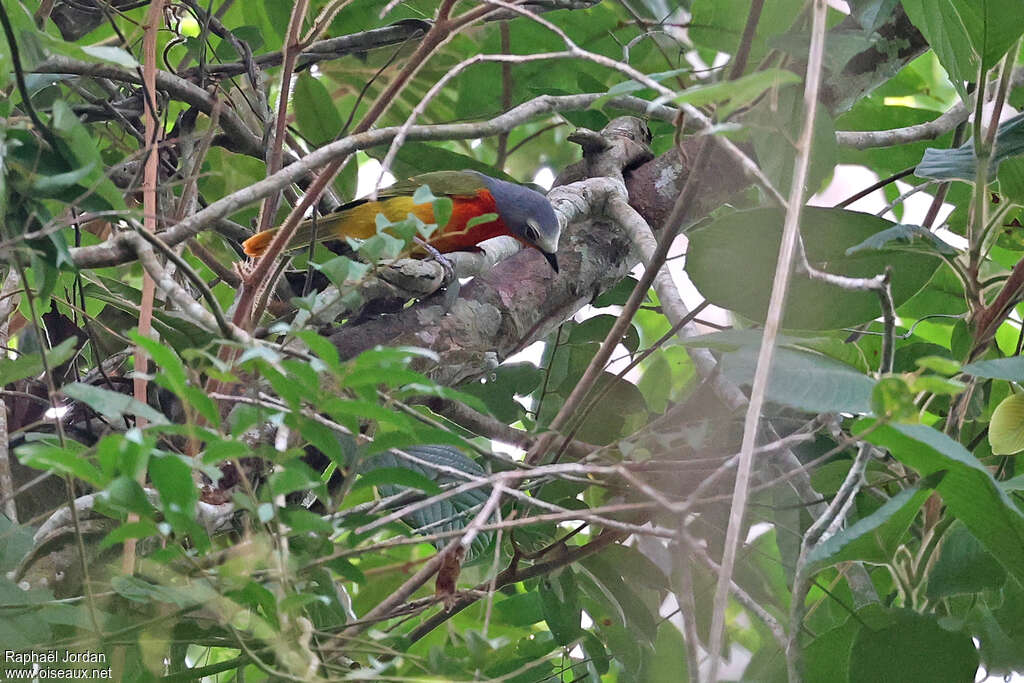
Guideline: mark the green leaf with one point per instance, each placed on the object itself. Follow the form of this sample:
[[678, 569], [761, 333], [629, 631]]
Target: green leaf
[[109, 53], [315, 113], [939, 364], [804, 380], [66, 460], [718, 24], [1010, 369], [50, 184], [559, 601], [876, 537], [1011, 180], [871, 14], [596, 328], [893, 398], [499, 389], [31, 365], [963, 567], [83, 148], [774, 122], [941, 386], [668, 662], [521, 609], [139, 590], [165, 358], [479, 220], [450, 514], [827, 657], [611, 417], [423, 195], [939, 21], [129, 530], [292, 476], [171, 476], [904, 234], [614, 580], [1006, 430], [736, 93], [968, 489], [442, 212], [912, 648], [960, 163], [23, 628], [397, 476], [112, 404], [126, 494], [747, 242], [414, 158]]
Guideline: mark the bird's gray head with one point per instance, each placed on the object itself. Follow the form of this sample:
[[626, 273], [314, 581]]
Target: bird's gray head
[[528, 216]]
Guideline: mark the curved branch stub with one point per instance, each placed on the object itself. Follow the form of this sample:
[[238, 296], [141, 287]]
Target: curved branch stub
[[622, 144]]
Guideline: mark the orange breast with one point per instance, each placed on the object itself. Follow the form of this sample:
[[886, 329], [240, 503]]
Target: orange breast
[[455, 236]]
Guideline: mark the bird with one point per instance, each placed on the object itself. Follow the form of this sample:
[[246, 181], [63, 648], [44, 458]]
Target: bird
[[515, 210]]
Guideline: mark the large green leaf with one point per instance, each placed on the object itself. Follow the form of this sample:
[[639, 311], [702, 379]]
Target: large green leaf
[[450, 514], [732, 263], [804, 380], [499, 388], [315, 111], [1011, 180], [24, 626], [911, 648], [68, 459], [1011, 369], [968, 489], [718, 24], [614, 582], [967, 34], [775, 122]]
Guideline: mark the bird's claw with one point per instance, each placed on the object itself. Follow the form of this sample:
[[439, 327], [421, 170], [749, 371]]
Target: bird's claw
[[446, 265]]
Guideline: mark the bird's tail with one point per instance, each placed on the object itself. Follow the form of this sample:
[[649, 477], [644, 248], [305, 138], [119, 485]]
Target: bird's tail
[[326, 228], [357, 219]]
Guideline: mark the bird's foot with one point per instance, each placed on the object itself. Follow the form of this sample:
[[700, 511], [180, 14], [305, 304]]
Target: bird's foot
[[446, 265]]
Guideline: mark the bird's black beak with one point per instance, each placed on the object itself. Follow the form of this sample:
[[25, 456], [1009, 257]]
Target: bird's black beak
[[552, 260]]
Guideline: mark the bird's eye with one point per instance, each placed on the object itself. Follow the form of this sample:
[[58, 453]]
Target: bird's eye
[[531, 231]]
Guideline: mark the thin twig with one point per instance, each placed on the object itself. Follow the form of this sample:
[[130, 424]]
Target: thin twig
[[787, 253], [150, 211]]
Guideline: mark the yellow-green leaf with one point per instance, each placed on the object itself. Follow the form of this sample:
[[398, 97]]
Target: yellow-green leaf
[[1006, 431]]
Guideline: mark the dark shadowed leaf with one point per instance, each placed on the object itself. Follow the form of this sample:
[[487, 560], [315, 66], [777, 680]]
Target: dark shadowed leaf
[[912, 648], [963, 567]]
